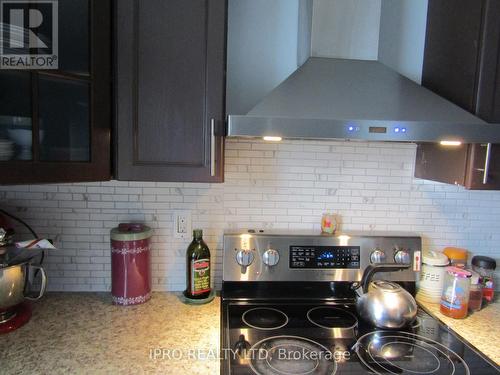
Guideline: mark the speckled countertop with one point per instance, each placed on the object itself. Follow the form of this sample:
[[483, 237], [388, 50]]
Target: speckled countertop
[[481, 329], [83, 333]]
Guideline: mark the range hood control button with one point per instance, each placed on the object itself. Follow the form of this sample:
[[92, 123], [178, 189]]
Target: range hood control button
[[271, 257], [377, 256]]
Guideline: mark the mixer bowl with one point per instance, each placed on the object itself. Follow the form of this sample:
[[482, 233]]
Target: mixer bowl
[[13, 286]]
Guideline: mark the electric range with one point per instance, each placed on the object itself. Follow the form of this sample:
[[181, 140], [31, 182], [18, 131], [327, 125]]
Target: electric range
[[288, 307]]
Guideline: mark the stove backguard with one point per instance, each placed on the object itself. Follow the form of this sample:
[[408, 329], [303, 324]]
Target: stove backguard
[[270, 257]]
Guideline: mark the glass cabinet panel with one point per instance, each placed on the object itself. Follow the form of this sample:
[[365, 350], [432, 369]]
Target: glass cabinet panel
[[15, 116], [63, 119], [55, 124]]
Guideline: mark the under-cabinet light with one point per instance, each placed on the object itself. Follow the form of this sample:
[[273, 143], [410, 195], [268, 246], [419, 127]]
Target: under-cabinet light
[[450, 143], [269, 138]]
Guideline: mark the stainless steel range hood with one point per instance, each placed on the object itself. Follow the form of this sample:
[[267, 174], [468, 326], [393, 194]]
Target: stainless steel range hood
[[330, 98], [343, 60]]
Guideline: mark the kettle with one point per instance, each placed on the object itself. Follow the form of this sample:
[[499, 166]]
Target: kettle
[[384, 304]]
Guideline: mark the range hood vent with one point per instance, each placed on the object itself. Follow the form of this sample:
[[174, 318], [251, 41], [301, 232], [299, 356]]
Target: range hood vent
[[329, 98]]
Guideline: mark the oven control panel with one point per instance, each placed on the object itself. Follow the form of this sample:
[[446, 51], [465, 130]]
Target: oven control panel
[[301, 256], [324, 257]]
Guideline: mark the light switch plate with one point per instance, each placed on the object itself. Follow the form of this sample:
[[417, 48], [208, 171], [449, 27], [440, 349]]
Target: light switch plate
[[182, 224]]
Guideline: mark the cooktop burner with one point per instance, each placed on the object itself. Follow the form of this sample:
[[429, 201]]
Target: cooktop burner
[[265, 318], [291, 355], [288, 338], [332, 317], [406, 353]]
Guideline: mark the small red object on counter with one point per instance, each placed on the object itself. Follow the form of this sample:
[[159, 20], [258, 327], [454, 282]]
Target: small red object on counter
[[488, 290], [130, 264], [21, 316]]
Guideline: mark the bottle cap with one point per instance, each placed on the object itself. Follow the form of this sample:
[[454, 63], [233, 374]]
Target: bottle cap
[[484, 262], [455, 253]]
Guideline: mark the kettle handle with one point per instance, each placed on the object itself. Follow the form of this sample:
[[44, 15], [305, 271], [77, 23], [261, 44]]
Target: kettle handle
[[42, 287], [383, 267]]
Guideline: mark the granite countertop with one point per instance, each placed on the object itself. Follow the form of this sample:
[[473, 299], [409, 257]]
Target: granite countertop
[[481, 329], [83, 333]]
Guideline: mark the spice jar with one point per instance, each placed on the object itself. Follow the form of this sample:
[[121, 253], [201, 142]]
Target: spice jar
[[455, 297], [485, 266], [475, 293], [457, 256]]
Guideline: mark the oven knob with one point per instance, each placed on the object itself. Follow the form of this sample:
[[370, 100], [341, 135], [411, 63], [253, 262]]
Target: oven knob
[[377, 256], [244, 257], [271, 257], [402, 257]]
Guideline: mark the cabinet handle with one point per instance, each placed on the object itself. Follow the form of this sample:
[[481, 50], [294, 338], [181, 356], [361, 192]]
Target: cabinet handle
[[212, 147], [487, 164]]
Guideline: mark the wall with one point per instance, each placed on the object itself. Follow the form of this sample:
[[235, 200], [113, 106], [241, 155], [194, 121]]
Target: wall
[[347, 29], [281, 186], [268, 40], [402, 36], [262, 49]]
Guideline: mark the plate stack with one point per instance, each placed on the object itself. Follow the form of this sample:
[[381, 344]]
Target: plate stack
[[430, 287], [6, 149]]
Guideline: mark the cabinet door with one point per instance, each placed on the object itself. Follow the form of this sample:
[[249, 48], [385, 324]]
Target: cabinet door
[[440, 163], [462, 64], [55, 125], [487, 105], [476, 177], [170, 59]]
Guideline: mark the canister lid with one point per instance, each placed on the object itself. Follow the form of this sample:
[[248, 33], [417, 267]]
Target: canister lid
[[435, 258], [458, 272], [455, 253], [131, 232], [484, 262]]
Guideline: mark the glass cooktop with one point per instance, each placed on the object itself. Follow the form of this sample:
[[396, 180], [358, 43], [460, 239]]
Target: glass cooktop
[[328, 339]]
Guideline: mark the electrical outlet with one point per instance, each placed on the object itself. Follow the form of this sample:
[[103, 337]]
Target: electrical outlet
[[182, 224]]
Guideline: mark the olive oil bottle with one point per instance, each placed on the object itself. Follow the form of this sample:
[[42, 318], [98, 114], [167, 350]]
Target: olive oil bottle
[[197, 268]]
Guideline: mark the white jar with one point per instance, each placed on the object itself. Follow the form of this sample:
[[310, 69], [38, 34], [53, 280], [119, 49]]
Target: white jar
[[432, 275]]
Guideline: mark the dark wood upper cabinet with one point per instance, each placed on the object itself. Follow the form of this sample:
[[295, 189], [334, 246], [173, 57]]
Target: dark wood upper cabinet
[[55, 125], [169, 90], [462, 64]]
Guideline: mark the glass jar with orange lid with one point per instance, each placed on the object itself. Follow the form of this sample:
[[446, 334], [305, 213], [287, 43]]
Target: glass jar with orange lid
[[455, 296], [457, 256]]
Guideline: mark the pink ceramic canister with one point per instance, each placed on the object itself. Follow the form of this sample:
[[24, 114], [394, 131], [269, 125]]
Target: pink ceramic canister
[[130, 264]]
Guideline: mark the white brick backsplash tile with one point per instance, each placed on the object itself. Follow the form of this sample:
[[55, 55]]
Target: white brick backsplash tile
[[283, 186], [101, 189], [72, 204]]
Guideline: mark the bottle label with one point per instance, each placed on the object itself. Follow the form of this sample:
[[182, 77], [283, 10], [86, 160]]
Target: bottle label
[[453, 298], [200, 276]]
